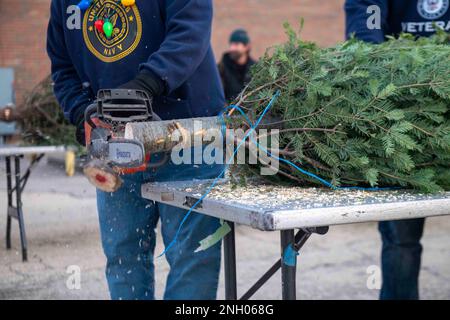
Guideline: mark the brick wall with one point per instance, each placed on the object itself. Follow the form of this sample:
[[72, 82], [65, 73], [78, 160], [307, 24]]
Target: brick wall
[[263, 19], [23, 25]]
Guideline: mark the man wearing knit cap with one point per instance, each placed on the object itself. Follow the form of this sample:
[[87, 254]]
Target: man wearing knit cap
[[235, 64]]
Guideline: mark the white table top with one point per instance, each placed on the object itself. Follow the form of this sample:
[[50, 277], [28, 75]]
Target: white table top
[[11, 151], [278, 208]]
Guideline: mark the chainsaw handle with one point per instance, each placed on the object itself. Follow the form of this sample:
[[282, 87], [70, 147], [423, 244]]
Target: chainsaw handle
[[163, 161], [90, 110]]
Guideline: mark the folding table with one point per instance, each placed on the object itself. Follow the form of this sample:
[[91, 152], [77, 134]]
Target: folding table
[[15, 154], [284, 209]]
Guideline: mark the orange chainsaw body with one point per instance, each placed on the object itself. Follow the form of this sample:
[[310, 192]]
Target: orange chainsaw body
[[119, 116], [88, 133]]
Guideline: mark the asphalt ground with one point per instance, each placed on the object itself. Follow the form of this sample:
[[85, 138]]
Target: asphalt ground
[[63, 236]]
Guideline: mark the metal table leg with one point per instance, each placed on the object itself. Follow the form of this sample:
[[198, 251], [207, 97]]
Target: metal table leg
[[9, 205], [229, 247], [18, 186], [288, 265], [16, 211], [300, 239]]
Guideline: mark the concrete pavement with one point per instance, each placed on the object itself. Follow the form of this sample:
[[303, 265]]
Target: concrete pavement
[[62, 228]]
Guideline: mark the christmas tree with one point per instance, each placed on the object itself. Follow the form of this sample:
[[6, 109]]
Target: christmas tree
[[40, 118], [358, 114]]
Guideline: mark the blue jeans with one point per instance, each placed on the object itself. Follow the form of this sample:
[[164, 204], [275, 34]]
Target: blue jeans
[[127, 225], [400, 258]]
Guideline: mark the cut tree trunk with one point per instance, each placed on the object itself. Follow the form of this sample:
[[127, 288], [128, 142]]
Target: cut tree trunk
[[102, 176], [161, 136]]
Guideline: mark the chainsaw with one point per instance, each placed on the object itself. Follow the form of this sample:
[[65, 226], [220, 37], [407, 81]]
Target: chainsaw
[[122, 132], [109, 153]]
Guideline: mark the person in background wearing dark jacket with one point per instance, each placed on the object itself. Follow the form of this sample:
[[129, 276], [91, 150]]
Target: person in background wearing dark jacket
[[161, 47], [401, 251], [235, 64]]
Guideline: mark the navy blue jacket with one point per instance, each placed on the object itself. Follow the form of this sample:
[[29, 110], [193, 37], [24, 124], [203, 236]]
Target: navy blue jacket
[[169, 38], [411, 16]]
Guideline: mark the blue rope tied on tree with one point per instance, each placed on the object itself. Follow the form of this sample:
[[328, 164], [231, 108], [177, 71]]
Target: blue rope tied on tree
[[248, 134], [216, 180], [307, 173]]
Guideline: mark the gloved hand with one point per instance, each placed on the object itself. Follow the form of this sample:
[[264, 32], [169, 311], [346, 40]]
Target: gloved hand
[[79, 124], [146, 81]]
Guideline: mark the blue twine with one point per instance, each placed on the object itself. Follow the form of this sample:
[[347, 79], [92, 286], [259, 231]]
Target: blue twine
[[252, 128], [274, 97], [312, 175]]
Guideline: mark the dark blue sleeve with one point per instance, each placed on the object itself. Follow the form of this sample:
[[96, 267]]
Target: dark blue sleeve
[[187, 40], [68, 87], [356, 17]]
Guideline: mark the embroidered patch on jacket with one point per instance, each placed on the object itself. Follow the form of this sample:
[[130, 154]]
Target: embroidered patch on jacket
[[432, 9], [126, 30]]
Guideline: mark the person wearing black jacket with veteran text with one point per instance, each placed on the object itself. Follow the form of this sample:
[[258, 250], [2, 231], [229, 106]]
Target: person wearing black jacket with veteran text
[[401, 251]]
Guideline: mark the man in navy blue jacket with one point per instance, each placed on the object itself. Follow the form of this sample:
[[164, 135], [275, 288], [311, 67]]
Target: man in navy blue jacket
[[162, 47], [401, 252]]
